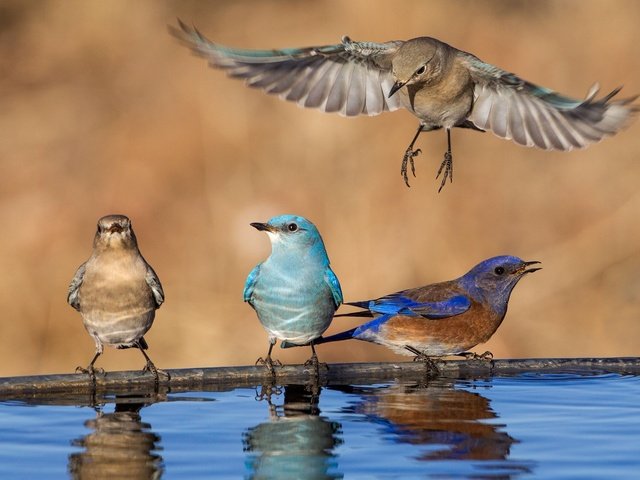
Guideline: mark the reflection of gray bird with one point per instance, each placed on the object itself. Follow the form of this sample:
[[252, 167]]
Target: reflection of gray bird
[[120, 446], [443, 86], [116, 291], [296, 442]]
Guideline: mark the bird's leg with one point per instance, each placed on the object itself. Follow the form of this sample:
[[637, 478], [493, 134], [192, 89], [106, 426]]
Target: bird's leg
[[267, 390], [474, 356], [313, 361], [150, 367], [429, 362], [447, 164], [90, 370], [408, 158], [267, 362]]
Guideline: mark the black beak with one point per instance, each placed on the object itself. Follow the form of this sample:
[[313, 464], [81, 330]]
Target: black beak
[[261, 226], [531, 270], [396, 86], [115, 228]]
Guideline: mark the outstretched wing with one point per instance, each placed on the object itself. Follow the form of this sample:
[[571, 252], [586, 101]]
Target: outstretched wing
[[399, 304], [531, 115], [350, 78], [73, 298]]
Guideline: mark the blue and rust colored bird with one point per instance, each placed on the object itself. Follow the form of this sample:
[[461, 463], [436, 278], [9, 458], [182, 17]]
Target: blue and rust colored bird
[[441, 319], [116, 291], [294, 292], [443, 86]]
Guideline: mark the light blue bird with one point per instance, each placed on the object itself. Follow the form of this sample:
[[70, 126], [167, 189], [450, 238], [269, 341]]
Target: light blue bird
[[294, 292]]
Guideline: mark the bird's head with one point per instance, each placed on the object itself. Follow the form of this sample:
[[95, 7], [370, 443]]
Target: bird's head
[[414, 63], [493, 279], [289, 233], [114, 231]]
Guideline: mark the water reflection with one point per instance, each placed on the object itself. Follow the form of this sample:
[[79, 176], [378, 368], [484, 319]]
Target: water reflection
[[296, 442], [120, 446], [450, 423]]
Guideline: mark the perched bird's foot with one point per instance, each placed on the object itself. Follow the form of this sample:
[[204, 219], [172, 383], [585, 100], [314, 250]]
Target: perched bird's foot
[[408, 159], [270, 364], [150, 367], [91, 371], [487, 356], [315, 365], [429, 362], [446, 168]]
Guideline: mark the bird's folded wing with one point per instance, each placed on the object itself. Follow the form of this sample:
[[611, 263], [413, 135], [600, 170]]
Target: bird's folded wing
[[515, 109], [250, 283], [156, 287], [350, 78], [334, 285], [398, 304], [74, 287]]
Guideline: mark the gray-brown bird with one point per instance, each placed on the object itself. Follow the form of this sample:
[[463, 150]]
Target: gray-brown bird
[[116, 291], [443, 86]]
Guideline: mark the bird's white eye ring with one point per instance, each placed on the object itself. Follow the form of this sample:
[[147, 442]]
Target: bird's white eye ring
[[499, 270], [292, 227], [421, 70]]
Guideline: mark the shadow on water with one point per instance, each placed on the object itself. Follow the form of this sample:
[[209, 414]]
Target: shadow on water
[[297, 442], [120, 445]]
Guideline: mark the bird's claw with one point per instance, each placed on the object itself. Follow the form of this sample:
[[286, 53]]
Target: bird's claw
[[316, 365], [488, 356], [150, 367], [408, 159], [270, 364], [446, 168], [429, 362], [91, 371]]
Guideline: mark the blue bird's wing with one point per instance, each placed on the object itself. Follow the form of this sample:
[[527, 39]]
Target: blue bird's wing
[[250, 283], [399, 304], [74, 287], [350, 78], [334, 285], [156, 287], [531, 115]]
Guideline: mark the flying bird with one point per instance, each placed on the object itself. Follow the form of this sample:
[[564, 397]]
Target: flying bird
[[443, 86]]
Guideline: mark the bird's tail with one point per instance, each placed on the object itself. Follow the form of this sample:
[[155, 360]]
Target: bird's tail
[[337, 337], [333, 338], [364, 305]]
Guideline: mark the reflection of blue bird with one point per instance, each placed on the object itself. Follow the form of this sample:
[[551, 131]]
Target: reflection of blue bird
[[443, 86], [294, 292], [444, 318]]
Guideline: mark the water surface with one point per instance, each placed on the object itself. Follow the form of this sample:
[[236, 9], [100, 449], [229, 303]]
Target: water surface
[[549, 426]]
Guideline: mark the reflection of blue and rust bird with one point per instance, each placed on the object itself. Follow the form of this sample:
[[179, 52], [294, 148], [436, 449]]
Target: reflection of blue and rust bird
[[441, 319], [116, 291], [443, 86], [294, 291]]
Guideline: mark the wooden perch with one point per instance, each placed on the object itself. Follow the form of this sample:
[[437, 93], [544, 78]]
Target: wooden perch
[[227, 378]]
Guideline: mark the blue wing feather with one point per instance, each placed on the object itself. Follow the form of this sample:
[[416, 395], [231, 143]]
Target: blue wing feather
[[250, 283], [334, 285], [401, 305]]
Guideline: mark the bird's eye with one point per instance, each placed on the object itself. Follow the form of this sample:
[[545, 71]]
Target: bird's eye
[[421, 70], [499, 270], [292, 227]]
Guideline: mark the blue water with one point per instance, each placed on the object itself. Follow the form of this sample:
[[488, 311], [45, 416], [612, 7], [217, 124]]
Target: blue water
[[543, 426]]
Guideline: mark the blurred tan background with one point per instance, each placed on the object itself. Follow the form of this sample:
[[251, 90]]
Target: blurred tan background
[[101, 111]]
